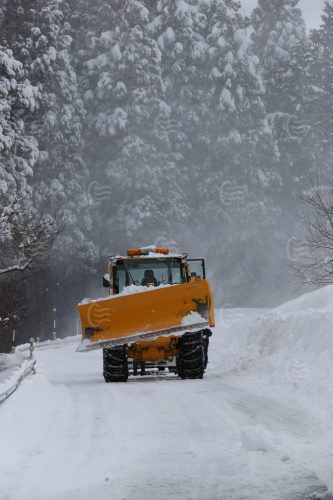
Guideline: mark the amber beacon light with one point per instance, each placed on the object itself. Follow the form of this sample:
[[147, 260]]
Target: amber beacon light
[[134, 252]]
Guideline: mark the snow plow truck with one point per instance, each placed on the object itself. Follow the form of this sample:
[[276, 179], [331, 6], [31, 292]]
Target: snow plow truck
[[157, 314]]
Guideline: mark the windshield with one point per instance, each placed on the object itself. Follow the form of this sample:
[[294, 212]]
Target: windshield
[[148, 272]]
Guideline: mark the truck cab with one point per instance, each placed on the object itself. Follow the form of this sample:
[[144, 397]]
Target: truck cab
[[156, 268]]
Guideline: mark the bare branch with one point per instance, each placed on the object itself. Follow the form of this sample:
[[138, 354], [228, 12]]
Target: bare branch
[[26, 238], [315, 263]]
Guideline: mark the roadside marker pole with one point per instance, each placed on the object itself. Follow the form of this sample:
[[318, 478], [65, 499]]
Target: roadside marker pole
[[14, 333], [54, 324], [31, 347]]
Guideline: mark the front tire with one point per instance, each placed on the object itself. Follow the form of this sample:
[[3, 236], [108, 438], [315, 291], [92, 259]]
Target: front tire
[[191, 359], [115, 366]]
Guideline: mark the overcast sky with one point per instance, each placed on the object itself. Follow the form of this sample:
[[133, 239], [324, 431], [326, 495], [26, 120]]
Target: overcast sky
[[311, 8]]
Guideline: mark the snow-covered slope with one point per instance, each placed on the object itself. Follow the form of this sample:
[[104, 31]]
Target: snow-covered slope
[[257, 427], [320, 299], [290, 345]]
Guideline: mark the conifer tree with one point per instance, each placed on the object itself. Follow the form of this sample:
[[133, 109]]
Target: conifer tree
[[41, 37], [122, 87], [278, 30], [321, 103]]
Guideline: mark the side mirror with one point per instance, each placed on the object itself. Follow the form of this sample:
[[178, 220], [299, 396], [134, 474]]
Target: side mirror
[[106, 281]]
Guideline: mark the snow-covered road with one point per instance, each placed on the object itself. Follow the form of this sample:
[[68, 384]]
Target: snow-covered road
[[250, 429]]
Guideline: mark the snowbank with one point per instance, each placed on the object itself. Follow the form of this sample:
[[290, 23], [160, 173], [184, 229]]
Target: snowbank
[[286, 355], [319, 299], [290, 345]]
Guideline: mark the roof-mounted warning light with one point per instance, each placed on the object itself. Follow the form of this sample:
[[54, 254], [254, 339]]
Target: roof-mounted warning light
[[134, 252]]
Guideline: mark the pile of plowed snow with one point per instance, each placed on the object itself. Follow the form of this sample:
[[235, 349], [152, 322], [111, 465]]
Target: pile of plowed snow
[[292, 345]]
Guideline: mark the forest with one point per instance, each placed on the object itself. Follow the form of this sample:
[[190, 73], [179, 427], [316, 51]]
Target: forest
[[178, 123]]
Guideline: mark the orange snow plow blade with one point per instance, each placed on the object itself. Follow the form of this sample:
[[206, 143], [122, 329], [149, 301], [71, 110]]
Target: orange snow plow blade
[[124, 319]]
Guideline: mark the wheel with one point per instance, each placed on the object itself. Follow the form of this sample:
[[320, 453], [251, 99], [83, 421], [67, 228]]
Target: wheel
[[115, 368], [191, 359]]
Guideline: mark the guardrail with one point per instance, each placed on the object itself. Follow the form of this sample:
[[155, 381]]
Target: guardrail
[[47, 344], [9, 391]]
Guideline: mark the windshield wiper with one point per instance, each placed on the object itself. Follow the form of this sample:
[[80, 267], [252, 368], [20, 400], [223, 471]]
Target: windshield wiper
[[129, 274]]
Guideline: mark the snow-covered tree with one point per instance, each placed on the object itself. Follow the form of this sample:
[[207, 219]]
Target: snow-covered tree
[[26, 237], [216, 120], [279, 29], [121, 81], [281, 44], [18, 154], [41, 38], [320, 103]]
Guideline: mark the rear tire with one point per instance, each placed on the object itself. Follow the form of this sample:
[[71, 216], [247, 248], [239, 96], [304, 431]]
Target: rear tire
[[191, 359], [115, 367]]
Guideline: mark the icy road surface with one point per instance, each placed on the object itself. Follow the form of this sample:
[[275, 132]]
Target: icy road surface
[[257, 427]]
